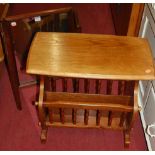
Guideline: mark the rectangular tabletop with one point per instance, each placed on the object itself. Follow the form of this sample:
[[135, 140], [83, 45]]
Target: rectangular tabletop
[[90, 56]]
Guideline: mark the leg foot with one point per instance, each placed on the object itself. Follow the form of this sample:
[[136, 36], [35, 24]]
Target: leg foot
[[126, 139], [43, 136]]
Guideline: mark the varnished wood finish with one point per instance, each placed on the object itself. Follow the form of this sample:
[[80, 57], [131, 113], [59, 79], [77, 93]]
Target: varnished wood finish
[[86, 115], [110, 57], [74, 112], [51, 116], [75, 83], [11, 64], [39, 13], [135, 19], [62, 117], [98, 116], [86, 85], [98, 86], [110, 118], [91, 56], [122, 118], [89, 101], [41, 111], [64, 85]]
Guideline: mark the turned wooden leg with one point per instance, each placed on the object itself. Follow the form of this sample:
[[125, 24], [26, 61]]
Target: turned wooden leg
[[126, 138], [41, 112], [43, 136], [11, 64]]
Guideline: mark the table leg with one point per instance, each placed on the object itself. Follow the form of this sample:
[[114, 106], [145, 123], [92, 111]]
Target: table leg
[[41, 112], [126, 138], [11, 64]]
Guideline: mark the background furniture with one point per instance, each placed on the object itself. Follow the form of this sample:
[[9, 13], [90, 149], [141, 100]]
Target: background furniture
[[127, 18], [61, 19], [88, 56]]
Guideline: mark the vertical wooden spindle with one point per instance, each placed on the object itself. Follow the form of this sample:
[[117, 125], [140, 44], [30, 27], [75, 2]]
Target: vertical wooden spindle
[[122, 119], [121, 91], [109, 86], [121, 87], [86, 85], [98, 116], [64, 85], [98, 86], [75, 85], [50, 115], [74, 111], [109, 91], [86, 115], [110, 118], [62, 116], [53, 84], [75, 90]]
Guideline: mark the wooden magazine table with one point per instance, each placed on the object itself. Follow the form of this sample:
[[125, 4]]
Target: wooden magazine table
[[55, 56]]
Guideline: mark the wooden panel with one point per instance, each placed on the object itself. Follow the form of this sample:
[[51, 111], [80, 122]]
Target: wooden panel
[[88, 101], [90, 56]]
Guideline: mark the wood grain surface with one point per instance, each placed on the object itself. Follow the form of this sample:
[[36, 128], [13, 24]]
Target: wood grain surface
[[90, 56]]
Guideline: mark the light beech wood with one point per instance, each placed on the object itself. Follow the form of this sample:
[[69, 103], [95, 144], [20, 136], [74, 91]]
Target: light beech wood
[[90, 56], [89, 101], [62, 55]]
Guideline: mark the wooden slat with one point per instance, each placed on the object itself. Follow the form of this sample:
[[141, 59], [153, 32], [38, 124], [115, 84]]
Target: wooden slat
[[110, 57], [74, 112], [98, 117], [91, 98], [87, 101], [86, 115], [98, 86], [75, 85], [110, 117], [86, 85], [121, 91], [62, 115], [121, 87], [51, 115], [64, 85], [109, 86], [122, 119]]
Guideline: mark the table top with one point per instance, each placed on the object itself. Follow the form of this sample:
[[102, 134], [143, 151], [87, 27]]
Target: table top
[[90, 56]]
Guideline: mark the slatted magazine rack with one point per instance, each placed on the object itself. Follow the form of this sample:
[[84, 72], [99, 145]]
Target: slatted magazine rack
[[76, 57]]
